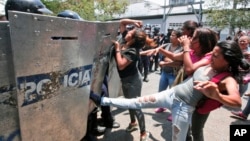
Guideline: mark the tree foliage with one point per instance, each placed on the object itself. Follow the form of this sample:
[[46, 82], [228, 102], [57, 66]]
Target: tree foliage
[[228, 13], [89, 9], [107, 8]]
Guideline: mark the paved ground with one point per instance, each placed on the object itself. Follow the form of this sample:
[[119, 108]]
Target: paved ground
[[216, 128]]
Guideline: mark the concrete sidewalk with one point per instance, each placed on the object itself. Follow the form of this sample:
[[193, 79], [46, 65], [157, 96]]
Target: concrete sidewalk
[[216, 128]]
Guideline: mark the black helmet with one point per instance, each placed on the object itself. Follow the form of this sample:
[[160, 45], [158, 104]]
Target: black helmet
[[130, 27], [156, 30], [69, 14], [147, 26], [31, 6]]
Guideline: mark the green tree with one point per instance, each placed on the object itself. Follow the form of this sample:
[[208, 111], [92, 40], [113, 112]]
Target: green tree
[[108, 8], [89, 9], [227, 13]]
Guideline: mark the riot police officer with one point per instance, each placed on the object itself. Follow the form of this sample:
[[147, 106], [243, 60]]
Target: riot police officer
[[95, 127], [30, 6], [69, 14]]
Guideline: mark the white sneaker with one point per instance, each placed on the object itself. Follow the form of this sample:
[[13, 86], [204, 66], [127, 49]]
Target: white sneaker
[[145, 137]]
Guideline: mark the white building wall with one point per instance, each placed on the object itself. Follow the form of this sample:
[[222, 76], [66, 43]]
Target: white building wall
[[154, 7], [173, 22], [176, 21]]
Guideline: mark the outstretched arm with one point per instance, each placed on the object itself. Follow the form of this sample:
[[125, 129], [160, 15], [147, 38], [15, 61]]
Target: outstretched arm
[[214, 91]]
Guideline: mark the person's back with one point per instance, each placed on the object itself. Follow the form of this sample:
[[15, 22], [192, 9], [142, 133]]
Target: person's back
[[185, 90]]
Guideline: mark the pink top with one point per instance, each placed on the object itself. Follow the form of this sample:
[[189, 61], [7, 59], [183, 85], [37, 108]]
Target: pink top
[[196, 58]]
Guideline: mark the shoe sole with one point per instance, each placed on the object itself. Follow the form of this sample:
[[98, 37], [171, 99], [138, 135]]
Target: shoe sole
[[133, 129], [237, 117], [116, 125], [160, 111]]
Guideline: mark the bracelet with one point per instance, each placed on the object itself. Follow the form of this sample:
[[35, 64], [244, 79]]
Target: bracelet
[[117, 51], [184, 51]]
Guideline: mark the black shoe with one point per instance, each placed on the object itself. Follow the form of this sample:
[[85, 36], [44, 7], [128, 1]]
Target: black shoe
[[109, 124], [98, 131], [145, 80], [89, 137], [112, 125], [95, 98], [116, 124]]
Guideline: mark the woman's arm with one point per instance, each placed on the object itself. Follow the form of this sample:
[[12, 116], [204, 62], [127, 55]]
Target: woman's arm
[[147, 52], [121, 61], [171, 55], [233, 98], [184, 56], [212, 90], [171, 63], [191, 67], [125, 22]]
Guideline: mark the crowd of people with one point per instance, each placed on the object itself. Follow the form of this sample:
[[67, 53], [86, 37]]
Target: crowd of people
[[198, 50], [203, 56]]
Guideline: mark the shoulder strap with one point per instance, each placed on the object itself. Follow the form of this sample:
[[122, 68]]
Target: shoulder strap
[[218, 77]]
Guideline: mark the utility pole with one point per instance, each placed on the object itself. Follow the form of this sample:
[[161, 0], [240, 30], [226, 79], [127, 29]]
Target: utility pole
[[164, 18], [171, 5]]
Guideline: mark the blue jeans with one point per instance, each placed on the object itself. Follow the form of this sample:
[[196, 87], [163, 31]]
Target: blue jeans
[[244, 88], [165, 80], [246, 110], [181, 112]]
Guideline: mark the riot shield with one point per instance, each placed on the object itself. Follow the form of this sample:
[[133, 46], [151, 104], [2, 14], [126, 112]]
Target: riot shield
[[53, 60], [9, 122]]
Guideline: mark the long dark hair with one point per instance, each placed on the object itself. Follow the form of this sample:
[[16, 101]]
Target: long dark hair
[[234, 56], [141, 39], [190, 26], [207, 39], [178, 32]]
